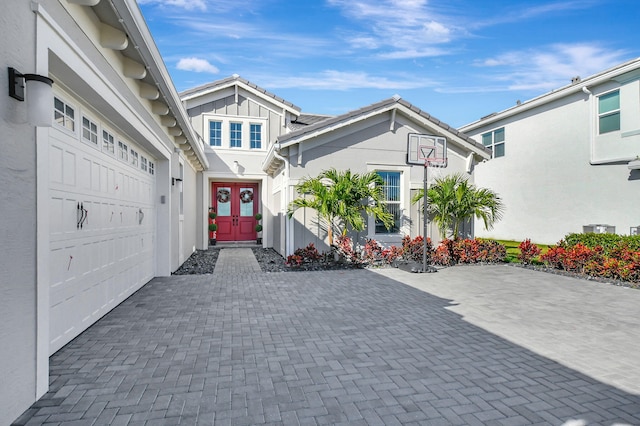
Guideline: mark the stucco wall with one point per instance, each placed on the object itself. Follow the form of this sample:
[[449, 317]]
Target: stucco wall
[[363, 147], [18, 225], [546, 180]]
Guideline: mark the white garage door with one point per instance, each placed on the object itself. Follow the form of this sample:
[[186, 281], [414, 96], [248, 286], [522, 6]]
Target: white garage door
[[102, 221]]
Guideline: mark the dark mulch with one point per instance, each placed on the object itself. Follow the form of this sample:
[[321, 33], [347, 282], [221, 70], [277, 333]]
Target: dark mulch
[[204, 262]]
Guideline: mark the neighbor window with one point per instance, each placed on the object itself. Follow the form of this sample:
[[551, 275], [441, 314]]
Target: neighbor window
[[495, 142], [215, 133], [123, 151], [609, 112], [236, 135], [89, 131], [391, 200], [256, 136], [107, 142], [64, 115]]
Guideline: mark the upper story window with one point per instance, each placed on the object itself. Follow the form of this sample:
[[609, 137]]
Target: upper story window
[[256, 136], [64, 115], [89, 131], [391, 190], [123, 151], [215, 133], [495, 142], [609, 112], [236, 135], [107, 142]]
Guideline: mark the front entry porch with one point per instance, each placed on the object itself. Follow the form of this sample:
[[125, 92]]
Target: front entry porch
[[236, 204]]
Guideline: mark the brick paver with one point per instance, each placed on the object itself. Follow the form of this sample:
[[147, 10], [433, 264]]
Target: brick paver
[[317, 348]]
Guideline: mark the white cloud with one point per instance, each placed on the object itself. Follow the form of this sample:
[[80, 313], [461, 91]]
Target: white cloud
[[185, 4], [542, 69], [339, 80], [398, 28], [196, 65]]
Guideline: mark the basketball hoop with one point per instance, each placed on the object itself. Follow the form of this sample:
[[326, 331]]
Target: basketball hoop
[[427, 151]]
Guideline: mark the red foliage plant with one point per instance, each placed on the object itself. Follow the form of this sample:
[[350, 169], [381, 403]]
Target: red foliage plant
[[528, 251]]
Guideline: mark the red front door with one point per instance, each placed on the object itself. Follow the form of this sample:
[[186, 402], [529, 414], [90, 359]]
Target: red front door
[[236, 205]]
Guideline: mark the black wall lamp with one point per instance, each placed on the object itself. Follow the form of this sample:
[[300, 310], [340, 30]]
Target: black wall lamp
[[174, 180], [38, 92]]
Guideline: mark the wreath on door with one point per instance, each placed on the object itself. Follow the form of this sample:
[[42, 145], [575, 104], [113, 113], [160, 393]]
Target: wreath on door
[[223, 195], [246, 196]]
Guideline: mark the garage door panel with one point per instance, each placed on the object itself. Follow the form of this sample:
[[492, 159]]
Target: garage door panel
[[94, 268]]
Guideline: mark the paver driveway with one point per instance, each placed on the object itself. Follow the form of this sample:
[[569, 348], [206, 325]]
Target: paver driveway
[[340, 347]]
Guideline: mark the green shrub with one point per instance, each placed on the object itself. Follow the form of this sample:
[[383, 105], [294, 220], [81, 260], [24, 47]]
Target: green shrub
[[608, 242]]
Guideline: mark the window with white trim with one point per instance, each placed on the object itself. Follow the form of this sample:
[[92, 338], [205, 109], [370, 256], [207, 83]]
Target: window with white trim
[[64, 115], [123, 151], [134, 158], [391, 199], [143, 163], [235, 135], [609, 112], [255, 136], [494, 140], [108, 145], [152, 168], [89, 131], [215, 133]]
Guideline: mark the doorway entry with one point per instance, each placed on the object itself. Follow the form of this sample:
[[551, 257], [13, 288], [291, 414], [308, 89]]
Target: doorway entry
[[236, 205]]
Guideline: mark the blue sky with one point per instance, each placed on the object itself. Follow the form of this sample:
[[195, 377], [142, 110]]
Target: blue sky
[[456, 59]]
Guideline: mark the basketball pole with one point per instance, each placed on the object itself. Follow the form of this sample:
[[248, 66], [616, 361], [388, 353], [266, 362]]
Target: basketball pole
[[424, 197]]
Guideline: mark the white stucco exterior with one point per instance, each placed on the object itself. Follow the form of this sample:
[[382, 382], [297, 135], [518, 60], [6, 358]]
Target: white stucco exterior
[[83, 225], [558, 172]]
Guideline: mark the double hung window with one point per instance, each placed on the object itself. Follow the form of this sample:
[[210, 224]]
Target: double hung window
[[495, 142], [391, 199], [256, 136], [609, 112], [236, 135], [215, 133]]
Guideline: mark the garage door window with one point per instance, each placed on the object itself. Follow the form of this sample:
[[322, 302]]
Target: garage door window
[[89, 131], [107, 142], [152, 168], [143, 163], [134, 158], [123, 151], [64, 115]]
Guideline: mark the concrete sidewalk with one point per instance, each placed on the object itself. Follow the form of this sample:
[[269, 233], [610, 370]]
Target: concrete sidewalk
[[354, 347]]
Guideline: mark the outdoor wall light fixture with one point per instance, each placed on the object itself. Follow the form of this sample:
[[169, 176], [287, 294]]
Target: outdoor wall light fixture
[[39, 95], [174, 180]]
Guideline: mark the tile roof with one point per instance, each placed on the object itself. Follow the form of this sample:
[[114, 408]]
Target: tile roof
[[211, 87], [328, 121]]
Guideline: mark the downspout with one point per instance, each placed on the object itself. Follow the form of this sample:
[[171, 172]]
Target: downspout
[[285, 184]]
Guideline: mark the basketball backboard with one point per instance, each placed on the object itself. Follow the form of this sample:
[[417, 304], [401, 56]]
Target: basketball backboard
[[427, 150]]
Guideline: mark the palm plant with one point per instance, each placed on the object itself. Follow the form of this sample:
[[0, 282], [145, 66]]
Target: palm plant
[[341, 198], [453, 200]]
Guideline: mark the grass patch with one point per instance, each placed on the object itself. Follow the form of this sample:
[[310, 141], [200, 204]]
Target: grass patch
[[513, 251]]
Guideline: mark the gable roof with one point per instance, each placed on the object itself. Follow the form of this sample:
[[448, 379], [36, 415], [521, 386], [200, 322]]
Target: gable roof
[[631, 68], [245, 84], [304, 120], [330, 124]]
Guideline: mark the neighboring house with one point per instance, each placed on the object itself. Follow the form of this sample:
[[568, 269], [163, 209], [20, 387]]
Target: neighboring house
[[261, 146], [96, 198], [564, 160]]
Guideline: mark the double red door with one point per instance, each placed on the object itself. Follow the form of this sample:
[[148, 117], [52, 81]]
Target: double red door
[[236, 205]]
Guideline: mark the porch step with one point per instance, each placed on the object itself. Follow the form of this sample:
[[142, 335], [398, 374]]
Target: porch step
[[235, 244]]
